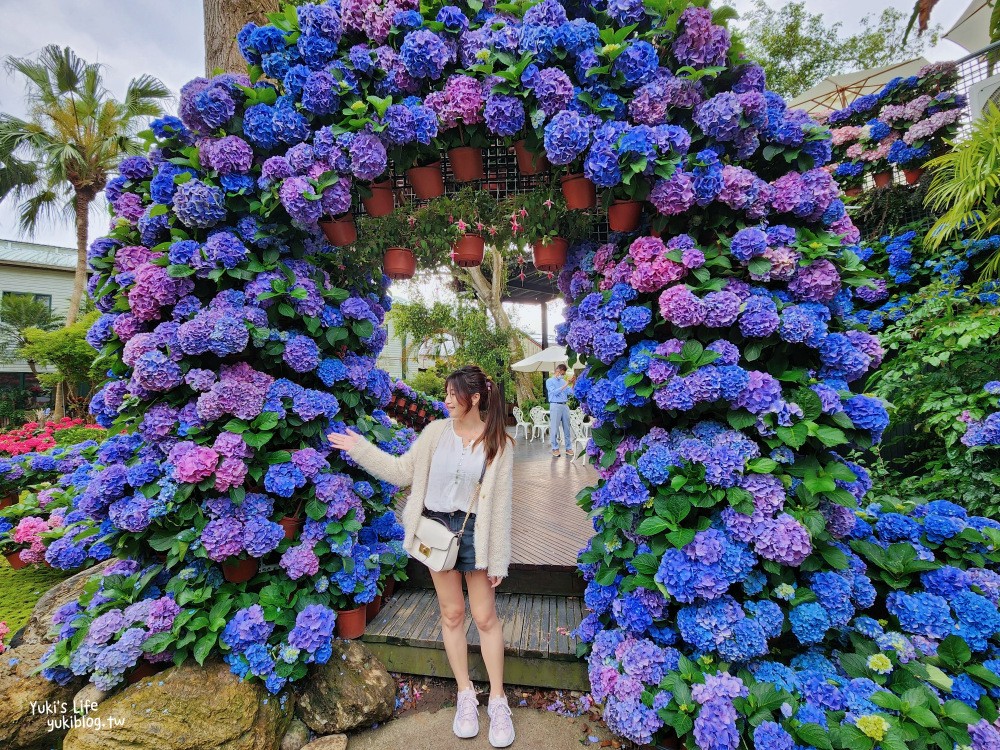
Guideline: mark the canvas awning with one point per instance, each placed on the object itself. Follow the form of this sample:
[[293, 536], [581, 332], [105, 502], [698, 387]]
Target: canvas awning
[[972, 29], [544, 361], [836, 92]]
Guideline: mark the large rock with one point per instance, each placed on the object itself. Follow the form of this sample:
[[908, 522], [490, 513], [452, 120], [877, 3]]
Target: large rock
[[297, 736], [188, 708], [351, 690], [23, 722], [332, 742]]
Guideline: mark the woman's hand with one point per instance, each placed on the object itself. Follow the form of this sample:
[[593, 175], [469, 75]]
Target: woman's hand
[[495, 580], [344, 442]]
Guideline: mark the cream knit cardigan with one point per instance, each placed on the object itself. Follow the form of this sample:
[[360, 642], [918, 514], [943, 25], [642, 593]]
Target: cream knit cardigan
[[493, 512]]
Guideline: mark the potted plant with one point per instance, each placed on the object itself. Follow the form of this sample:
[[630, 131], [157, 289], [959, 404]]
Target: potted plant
[[387, 239], [548, 225], [460, 106], [292, 524], [340, 230], [849, 174], [240, 568], [469, 216], [379, 197], [506, 111]]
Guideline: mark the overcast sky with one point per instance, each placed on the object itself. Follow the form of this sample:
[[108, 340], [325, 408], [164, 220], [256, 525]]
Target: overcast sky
[[165, 40]]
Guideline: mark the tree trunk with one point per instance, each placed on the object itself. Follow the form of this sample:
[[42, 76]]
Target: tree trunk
[[81, 205], [223, 20], [58, 402], [490, 295]]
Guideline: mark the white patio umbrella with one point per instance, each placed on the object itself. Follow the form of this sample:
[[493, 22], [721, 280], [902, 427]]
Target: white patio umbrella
[[836, 92], [972, 29], [545, 361]]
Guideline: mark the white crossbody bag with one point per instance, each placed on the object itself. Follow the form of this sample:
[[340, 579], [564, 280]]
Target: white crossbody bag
[[434, 544]]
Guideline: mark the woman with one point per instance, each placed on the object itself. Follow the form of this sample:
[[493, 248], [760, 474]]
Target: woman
[[443, 467]]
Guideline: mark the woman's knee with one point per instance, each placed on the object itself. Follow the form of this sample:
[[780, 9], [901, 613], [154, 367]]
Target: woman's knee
[[486, 620], [452, 618]]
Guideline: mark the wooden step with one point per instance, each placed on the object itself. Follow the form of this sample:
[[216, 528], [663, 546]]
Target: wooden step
[[548, 580], [406, 636]]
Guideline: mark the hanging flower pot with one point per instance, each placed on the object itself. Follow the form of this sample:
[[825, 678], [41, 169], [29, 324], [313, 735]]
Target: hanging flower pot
[[382, 200], [292, 525], [340, 231], [372, 608], [578, 191], [9, 500], [550, 256], [422, 413], [351, 622], [413, 408], [853, 192], [235, 570], [466, 163], [427, 182], [468, 251], [624, 216], [882, 179], [913, 175], [14, 558], [399, 263], [528, 162]]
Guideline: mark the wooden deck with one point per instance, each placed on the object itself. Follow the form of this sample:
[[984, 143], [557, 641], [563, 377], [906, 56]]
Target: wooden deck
[[406, 636], [548, 527]]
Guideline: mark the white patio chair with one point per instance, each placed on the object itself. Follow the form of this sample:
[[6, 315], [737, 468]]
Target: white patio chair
[[521, 422], [539, 423], [581, 435]]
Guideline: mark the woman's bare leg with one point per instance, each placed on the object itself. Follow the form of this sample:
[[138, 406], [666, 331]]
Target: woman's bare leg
[[484, 612], [451, 600]]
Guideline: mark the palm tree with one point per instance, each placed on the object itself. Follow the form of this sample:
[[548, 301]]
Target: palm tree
[[58, 158], [965, 187]]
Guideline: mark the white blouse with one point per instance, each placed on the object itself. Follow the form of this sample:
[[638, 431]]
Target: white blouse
[[455, 470]]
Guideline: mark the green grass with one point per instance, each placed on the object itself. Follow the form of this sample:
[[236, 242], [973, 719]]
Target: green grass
[[21, 589]]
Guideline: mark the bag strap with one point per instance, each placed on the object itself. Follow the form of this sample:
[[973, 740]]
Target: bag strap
[[475, 499]]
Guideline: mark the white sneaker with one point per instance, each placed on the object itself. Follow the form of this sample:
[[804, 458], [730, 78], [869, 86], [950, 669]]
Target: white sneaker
[[501, 722], [466, 722]]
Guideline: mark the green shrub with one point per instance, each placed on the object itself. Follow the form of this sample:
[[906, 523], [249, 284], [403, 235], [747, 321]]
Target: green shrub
[[75, 435], [428, 382]]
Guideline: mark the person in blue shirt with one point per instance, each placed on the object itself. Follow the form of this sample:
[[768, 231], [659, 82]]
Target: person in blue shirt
[[558, 390]]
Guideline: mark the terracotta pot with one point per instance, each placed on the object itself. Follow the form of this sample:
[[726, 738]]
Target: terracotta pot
[[382, 200], [399, 263], [624, 216], [351, 622], [14, 558], [389, 589], [341, 231], [427, 182], [422, 413], [551, 256], [913, 175], [235, 570], [882, 179], [853, 192], [292, 525], [143, 670], [413, 408], [578, 191], [468, 251], [9, 500], [466, 163], [372, 608], [528, 162]]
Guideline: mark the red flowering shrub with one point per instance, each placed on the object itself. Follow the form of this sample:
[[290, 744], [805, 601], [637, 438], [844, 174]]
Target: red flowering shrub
[[34, 436]]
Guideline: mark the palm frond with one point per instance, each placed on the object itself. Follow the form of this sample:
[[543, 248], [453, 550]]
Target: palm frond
[[143, 97], [44, 206]]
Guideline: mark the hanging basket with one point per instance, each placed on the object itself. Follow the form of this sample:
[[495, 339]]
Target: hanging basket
[[14, 558], [913, 175], [351, 622], [340, 231], [382, 200], [399, 263], [235, 570], [292, 525], [528, 162], [9, 500], [468, 251], [882, 179], [624, 216], [853, 192], [578, 191], [427, 182], [373, 608], [550, 256], [466, 163]]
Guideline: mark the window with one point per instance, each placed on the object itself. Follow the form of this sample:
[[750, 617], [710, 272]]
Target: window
[[46, 299]]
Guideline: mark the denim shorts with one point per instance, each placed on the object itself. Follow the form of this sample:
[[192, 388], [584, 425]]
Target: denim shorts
[[466, 559]]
